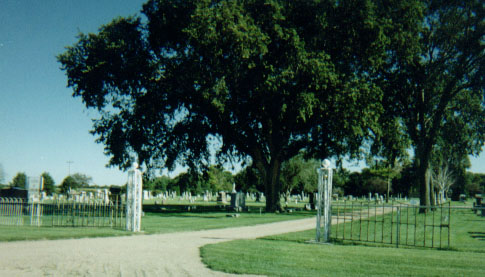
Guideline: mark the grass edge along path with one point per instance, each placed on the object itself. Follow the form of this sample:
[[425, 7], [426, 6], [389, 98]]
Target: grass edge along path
[[152, 223], [286, 258], [288, 255]]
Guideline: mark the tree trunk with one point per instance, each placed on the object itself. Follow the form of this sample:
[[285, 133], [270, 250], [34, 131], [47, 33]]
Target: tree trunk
[[273, 186], [431, 189], [422, 158], [311, 200]]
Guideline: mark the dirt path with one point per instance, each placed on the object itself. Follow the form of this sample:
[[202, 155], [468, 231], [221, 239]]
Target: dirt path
[[175, 254]]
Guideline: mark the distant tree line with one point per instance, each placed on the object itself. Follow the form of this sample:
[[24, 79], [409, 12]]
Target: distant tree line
[[74, 181], [300, 175]]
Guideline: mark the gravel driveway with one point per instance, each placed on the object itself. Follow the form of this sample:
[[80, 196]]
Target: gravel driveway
[[175, 254]]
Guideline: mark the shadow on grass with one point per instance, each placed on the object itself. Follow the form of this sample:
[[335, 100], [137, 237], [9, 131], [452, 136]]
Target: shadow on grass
[[477, 235]]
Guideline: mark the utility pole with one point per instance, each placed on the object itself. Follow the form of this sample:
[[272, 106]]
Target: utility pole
[[69, 167]]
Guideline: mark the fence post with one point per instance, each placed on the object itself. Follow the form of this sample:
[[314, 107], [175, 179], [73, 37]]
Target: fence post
[[449, 223], [31, 213], [398, 215], [345, 212], [134, 199]]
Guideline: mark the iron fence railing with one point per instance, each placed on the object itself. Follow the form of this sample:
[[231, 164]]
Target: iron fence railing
[[62, 213], [393, 224]]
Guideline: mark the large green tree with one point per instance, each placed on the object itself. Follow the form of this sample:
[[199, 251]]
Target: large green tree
[[75, 181], [19, 181], [249, 180], [49, 184], [264, 78], [437, 82], [67, 184], [299, 174], [218, 179]]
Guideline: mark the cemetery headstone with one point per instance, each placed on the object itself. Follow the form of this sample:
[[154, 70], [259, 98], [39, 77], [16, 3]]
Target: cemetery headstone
[[414, 201], [221, 198], [238, 201]]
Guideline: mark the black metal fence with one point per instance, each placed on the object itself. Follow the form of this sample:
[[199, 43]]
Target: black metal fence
[[392, 224], [62, 213]]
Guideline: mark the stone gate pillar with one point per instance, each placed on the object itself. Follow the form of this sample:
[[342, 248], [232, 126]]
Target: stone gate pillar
[[324, 202], [134, 199]]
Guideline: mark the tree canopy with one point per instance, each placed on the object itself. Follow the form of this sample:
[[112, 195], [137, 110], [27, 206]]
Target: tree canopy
[[299, 174], [435, 85], [19, 181], [49, 184], [265, 79], [75, 181]]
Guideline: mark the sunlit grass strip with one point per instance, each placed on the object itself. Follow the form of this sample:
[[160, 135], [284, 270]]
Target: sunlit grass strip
[[284, 258], [152, 223]]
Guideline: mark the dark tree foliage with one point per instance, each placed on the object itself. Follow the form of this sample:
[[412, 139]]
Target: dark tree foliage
[[249, 180], [49, 184], [75, 181], [264, 78], [19, 181], [67, 184], [436, 80]]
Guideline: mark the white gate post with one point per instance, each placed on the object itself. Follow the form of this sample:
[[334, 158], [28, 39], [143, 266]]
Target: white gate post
[[324, 201], [134, 199]]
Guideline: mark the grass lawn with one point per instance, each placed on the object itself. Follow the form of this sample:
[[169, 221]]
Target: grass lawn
[[152, 223], [467, 232], [176, 222], [287, 258], [290, 255]]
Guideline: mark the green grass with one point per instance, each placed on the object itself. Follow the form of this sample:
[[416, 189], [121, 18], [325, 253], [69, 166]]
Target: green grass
[[152, 223], [290, 254], [186, 221], [286, 258], [467, 231]]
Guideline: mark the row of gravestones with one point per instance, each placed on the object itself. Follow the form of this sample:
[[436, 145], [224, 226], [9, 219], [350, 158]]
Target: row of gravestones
[[222, 196], [81, 196]]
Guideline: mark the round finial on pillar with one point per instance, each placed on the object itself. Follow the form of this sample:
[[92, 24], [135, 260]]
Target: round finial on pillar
[[326, 163]]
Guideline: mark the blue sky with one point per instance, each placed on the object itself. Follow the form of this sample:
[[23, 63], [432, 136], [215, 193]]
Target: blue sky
[[41, 125]]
